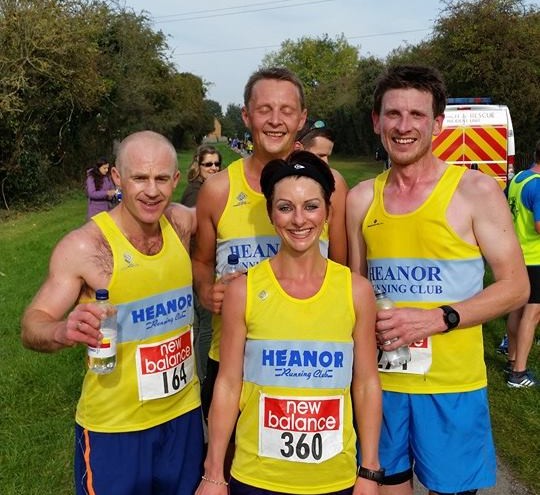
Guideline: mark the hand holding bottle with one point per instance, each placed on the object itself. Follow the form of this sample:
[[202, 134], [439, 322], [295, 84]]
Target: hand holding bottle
[[102, 359], [232, 270], [401, 355]]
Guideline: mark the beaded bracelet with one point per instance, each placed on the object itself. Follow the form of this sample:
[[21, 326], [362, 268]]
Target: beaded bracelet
[[216, 482]]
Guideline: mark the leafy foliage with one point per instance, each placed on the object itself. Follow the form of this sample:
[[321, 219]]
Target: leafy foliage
[[233, 125], [324, 65], [488, 48], [76, 75]]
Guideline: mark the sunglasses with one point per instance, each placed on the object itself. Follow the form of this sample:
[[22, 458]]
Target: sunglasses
[[318, 124], [209, 164]]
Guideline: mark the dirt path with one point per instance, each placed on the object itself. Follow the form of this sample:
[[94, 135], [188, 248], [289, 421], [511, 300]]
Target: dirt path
[[506, 485]]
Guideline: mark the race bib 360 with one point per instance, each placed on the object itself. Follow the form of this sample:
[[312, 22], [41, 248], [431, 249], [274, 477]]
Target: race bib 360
[[300, 429]]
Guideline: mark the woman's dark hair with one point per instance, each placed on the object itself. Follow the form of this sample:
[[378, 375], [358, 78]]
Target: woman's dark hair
[[96, 174], [298, 164]]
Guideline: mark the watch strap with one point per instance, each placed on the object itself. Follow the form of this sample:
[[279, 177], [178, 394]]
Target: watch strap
[[451, 318], [371, 474]]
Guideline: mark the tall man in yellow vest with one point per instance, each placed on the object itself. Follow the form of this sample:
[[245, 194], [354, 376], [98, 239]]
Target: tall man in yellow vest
[[524, 200], [420, 231], [138, 429]]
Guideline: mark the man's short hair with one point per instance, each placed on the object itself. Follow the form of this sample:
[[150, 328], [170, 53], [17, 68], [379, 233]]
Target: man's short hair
[[309, 132], [149, 137], [278, 73], [422, 78]]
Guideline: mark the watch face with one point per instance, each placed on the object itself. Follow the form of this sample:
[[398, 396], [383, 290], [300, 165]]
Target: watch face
[[452, 318]]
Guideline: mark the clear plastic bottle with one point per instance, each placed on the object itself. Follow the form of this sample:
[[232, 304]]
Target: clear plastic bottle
[[232, 267], [102, 359], [401, 355]]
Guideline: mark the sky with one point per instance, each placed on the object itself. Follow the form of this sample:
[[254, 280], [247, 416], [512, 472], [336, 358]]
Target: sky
[[224, 41]]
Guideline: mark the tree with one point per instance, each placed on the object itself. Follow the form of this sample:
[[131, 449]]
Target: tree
[[214, 109], [232, 124], [47, 71], [489, 48], [324, 65], [352, 121], [75, 75]]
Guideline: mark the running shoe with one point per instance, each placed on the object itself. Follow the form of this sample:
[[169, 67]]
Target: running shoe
[[508, 367], [503, 346], [520, 379]]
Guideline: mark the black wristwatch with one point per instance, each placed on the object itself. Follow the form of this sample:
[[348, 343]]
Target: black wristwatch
[[370, 474], [451, 318]]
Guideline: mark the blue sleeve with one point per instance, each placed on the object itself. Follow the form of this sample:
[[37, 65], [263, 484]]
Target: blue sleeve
[[530, 196]]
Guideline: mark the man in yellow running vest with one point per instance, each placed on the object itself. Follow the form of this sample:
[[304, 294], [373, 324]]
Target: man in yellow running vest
[[420, 231], [138, 429]]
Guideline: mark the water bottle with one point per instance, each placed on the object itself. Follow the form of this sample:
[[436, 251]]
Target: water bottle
[[102, 359], [231, 267], [118, 195], [401, 355]]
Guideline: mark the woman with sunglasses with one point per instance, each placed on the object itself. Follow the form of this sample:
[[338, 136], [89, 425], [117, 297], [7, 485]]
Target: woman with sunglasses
[[206, 162]]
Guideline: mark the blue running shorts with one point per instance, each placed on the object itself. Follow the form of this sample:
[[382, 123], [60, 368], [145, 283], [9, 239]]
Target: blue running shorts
[[166, 459], [446, 437]]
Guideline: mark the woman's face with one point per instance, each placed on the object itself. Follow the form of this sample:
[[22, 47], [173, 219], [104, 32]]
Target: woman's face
[[209, 165], [298, 212], [104, 169]]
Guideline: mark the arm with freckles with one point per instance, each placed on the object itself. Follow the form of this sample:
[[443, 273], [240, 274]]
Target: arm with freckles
[[183, 220], [366, 388], [44, 325], [358, 202], [337, 250], [225, 401]]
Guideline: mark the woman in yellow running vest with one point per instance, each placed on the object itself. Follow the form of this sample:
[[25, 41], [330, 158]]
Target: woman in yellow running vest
[[298, 358]]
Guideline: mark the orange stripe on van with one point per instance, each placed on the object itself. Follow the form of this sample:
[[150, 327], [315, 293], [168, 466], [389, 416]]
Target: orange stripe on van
[[89, 474]]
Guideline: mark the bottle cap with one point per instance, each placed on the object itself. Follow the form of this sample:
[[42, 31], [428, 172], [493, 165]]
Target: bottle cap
[[233, 259], [379, 292], [102, 295]]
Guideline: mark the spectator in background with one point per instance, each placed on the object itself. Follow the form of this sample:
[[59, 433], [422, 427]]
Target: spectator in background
[[382, 156], [524, 200], [206, 162], [319, 140], [100, 188]]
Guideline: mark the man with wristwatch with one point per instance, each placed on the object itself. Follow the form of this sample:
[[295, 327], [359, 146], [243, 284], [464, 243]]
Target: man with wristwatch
[[421, 231]]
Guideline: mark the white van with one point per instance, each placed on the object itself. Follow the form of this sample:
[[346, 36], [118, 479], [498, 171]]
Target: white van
[[478, 135]]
